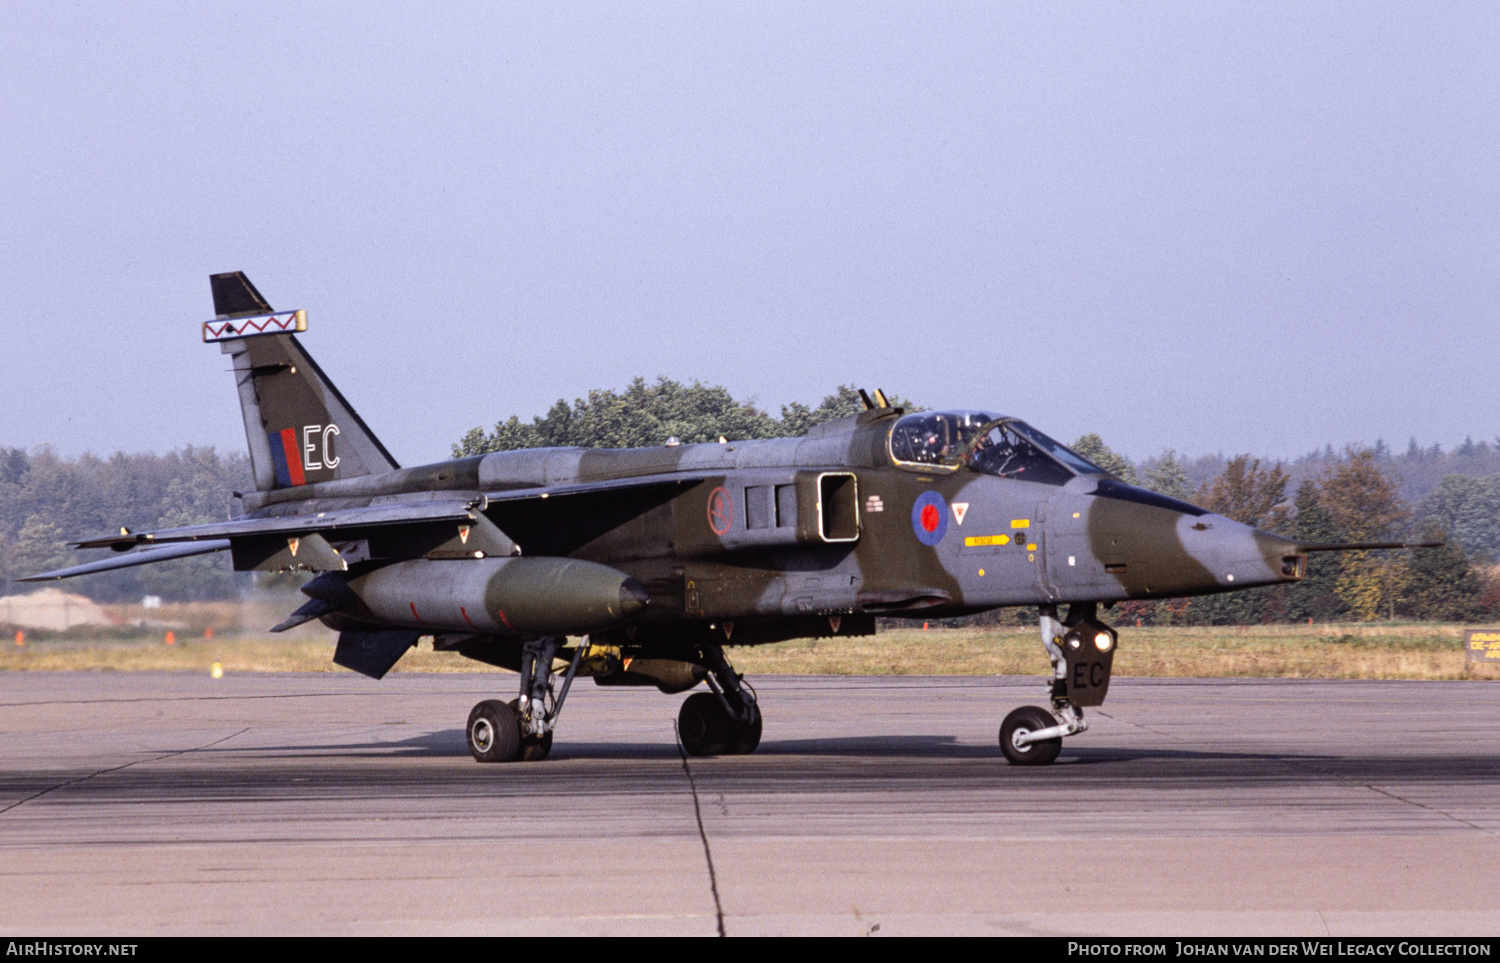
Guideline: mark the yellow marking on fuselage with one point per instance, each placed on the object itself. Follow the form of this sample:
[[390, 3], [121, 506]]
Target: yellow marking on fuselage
[[974, 541]]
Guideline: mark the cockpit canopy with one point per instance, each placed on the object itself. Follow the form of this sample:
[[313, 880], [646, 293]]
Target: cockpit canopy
[[987, 443]]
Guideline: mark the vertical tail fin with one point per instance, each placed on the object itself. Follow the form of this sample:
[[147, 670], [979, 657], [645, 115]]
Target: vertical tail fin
[[300, 428]]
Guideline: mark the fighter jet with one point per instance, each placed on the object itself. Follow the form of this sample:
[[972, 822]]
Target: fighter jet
[[641, 566]]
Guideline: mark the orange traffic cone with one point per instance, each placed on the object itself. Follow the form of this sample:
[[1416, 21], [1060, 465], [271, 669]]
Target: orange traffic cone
[[171, 638], [208, 633], [20, 638]]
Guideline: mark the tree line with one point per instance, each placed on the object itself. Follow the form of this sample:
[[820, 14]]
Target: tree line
[[1354, 494], [647, 414], [47, 500]]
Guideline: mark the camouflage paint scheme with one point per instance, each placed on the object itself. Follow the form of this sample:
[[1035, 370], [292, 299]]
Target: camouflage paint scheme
[[646, 513], [662, 556]]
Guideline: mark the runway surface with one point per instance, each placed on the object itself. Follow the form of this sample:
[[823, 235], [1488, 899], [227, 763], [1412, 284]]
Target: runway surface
[[157, 803]]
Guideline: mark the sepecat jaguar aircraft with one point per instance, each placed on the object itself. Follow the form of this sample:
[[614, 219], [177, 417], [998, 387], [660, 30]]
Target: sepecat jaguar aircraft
[[653, 560]]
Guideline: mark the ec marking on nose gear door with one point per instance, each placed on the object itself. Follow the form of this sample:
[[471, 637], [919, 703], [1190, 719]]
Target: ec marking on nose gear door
[[929, 518]]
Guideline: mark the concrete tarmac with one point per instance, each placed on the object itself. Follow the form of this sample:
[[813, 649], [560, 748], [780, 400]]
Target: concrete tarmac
[[163, 803]]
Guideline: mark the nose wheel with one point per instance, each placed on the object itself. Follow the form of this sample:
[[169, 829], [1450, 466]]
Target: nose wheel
[[1016, 737]]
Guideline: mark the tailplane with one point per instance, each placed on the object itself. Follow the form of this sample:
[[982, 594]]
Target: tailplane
[[300, 428]]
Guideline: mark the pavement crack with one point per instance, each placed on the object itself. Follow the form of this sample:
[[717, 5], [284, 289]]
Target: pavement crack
[[1136, 725], [708, 856], [1341, 778], [134, 762], [1432, 809]]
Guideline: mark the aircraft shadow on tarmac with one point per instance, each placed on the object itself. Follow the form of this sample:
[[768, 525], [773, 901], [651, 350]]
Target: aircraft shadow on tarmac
[[922, 751], [847, 766]]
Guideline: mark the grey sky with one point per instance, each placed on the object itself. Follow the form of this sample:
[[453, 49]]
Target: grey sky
[[1209, 226]]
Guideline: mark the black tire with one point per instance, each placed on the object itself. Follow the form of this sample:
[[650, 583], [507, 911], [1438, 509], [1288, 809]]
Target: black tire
[[704, 726], [494, 732], [746, 734], [1029, 719]]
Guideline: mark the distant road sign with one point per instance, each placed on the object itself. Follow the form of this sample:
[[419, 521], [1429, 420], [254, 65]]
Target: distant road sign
[[1482, 646]]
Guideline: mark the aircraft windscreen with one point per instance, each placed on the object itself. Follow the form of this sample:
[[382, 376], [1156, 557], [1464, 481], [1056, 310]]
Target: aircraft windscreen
[[1013, 449], [936, 437]]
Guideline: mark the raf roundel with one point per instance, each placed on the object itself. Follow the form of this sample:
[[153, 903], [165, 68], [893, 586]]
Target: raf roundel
[[929, 518], [720, 511]]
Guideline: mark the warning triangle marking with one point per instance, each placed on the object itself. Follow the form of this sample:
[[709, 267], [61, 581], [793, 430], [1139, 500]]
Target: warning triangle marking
[[960, 509]]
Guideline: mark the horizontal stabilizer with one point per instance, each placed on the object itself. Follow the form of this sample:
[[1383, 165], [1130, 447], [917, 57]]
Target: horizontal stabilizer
[[372, 653], [311, 609], [139, 556]]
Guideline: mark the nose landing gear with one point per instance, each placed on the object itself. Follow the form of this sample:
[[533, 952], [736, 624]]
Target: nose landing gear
[[1082, 650]]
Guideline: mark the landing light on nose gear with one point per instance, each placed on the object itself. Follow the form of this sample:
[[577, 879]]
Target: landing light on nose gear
[[1082, 651]]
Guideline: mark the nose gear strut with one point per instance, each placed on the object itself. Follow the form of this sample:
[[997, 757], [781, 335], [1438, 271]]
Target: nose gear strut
[[1081, 649]]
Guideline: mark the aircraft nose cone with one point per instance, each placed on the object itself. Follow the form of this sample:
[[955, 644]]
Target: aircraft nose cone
[[633, 597], [1237, 554]]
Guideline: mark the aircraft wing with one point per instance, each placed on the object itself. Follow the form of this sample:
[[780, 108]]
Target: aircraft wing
[[139, 556], [458, 510], [272, 544], [586, 488], [417, 527], [292, 525]]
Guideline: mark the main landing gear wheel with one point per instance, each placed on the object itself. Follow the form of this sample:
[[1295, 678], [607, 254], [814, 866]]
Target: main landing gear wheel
[[1028, 719], [533, 748], [494, 732], [703, 726], [724, 720], [707, 729]]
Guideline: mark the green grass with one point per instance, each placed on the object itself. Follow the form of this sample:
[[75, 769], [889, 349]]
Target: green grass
[[1344, 651]]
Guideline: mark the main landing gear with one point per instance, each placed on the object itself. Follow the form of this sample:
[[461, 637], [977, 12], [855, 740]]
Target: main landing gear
[[522, 728], [725, 720], [1082, 651]]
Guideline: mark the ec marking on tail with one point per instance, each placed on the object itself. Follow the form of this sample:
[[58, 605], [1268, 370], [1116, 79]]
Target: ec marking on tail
[[293, 460]]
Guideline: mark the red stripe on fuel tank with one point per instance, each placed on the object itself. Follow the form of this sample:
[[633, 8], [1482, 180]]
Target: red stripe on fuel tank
[[414, 612], [293, 456], [465, 613]]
